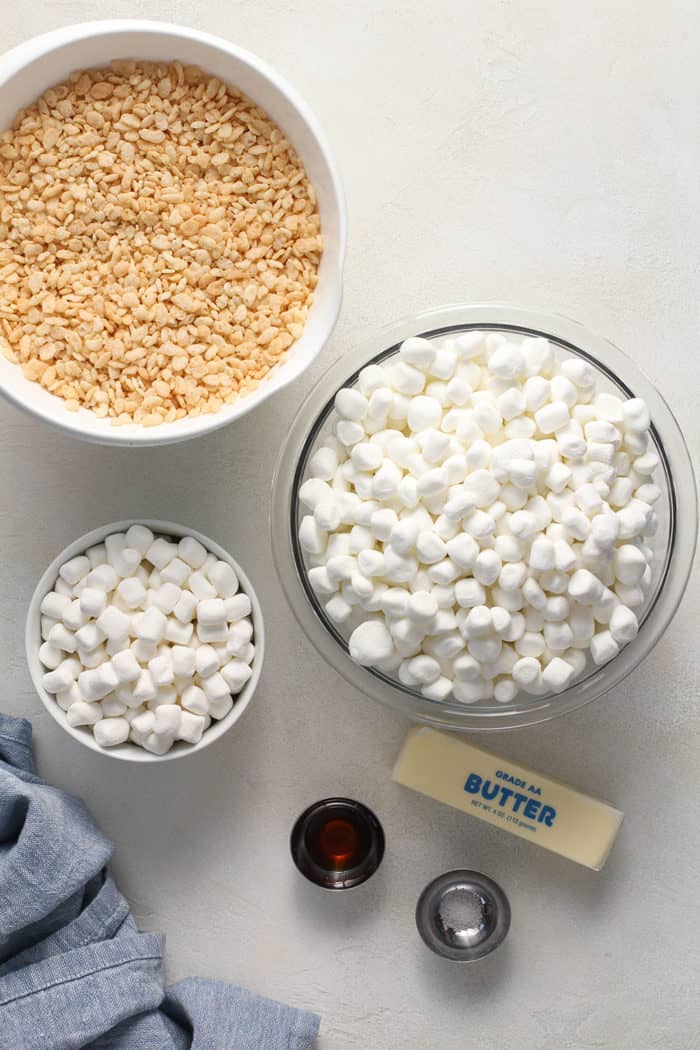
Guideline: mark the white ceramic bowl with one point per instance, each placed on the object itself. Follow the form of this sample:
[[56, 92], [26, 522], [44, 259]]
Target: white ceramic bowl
[[28, 70], [32, 640]]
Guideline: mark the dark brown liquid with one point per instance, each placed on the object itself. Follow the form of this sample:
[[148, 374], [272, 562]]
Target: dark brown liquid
[[337, 843], [338, 840]]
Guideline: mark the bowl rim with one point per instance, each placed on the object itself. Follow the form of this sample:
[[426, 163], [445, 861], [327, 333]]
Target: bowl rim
[[286, 370], [612, 363], [128, 751]]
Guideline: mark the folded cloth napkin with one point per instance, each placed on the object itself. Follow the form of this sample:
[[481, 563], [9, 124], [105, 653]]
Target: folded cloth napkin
[[74, 970]]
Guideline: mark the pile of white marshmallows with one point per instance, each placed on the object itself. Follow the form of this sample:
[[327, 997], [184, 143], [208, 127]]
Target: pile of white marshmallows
[[480, 517], [146, 640]]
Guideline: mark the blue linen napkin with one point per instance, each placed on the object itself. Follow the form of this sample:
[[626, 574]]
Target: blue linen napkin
[[74, 969]]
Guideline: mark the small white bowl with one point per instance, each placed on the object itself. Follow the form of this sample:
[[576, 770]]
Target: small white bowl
[[28, 70], [32, 639]]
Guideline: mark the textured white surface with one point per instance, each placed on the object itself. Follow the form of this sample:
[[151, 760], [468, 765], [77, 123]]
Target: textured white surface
[[540, 152]]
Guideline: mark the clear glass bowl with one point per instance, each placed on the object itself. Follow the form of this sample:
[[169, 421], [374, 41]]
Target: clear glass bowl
[[674, 541]]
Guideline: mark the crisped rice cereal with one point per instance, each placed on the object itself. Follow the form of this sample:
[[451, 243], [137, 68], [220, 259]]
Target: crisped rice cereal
[[159, 242]]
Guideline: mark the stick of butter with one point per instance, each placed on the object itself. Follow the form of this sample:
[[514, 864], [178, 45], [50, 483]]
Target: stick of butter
[[512, 797]]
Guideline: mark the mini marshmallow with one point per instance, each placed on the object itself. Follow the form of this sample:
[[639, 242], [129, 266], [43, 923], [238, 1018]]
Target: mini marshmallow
[[421, 607], [351, 404], [125, 561], [50, 656], [89, 636], [522, 473], [523, 524], [633, 519], [603, 647], [512, 576], [635, 415], [552, 417], [571, 442], [220, 706], [190, 551], [83, 713], [95, 683], [482, 487], [478, 524], [542, 554], [144, 650], [516, 629], [139, 538], [102, 578], [381, 401], [113, 623], [557, 607], [125, 666], [235, 673], [558, 636], [177, 632], [406, 379], [55, 605], [71, 695], [194, 699], [215, 688], [151, 625], [531, 644], [557, 477], [60, 637], [533, 594], [526, 671], [469, 593], [424, 669], [96, 555], [191, 727], [75, 570], [508, 548], [93, 601], [158, 743], [206, 661], [630, 564], [558, 674], [478, 622], [434, 447], [200, 586], [423, 413], [110, 732], [185, 607], [324, 462], [112, 706], [94, 657], [444, 364], [211, 611], [238, 606], [584, 587], [370, 642], [144, 689], [418, 352], [208, 633], [487, 567], [131, 591], [175, 572], [224, 579], [624, 625], [167, 719], [161, 552]]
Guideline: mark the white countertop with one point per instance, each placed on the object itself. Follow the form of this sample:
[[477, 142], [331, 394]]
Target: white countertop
[[542, 153]]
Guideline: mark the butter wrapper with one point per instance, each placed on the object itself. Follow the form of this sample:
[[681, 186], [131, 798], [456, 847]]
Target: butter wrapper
[[510, 796]]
